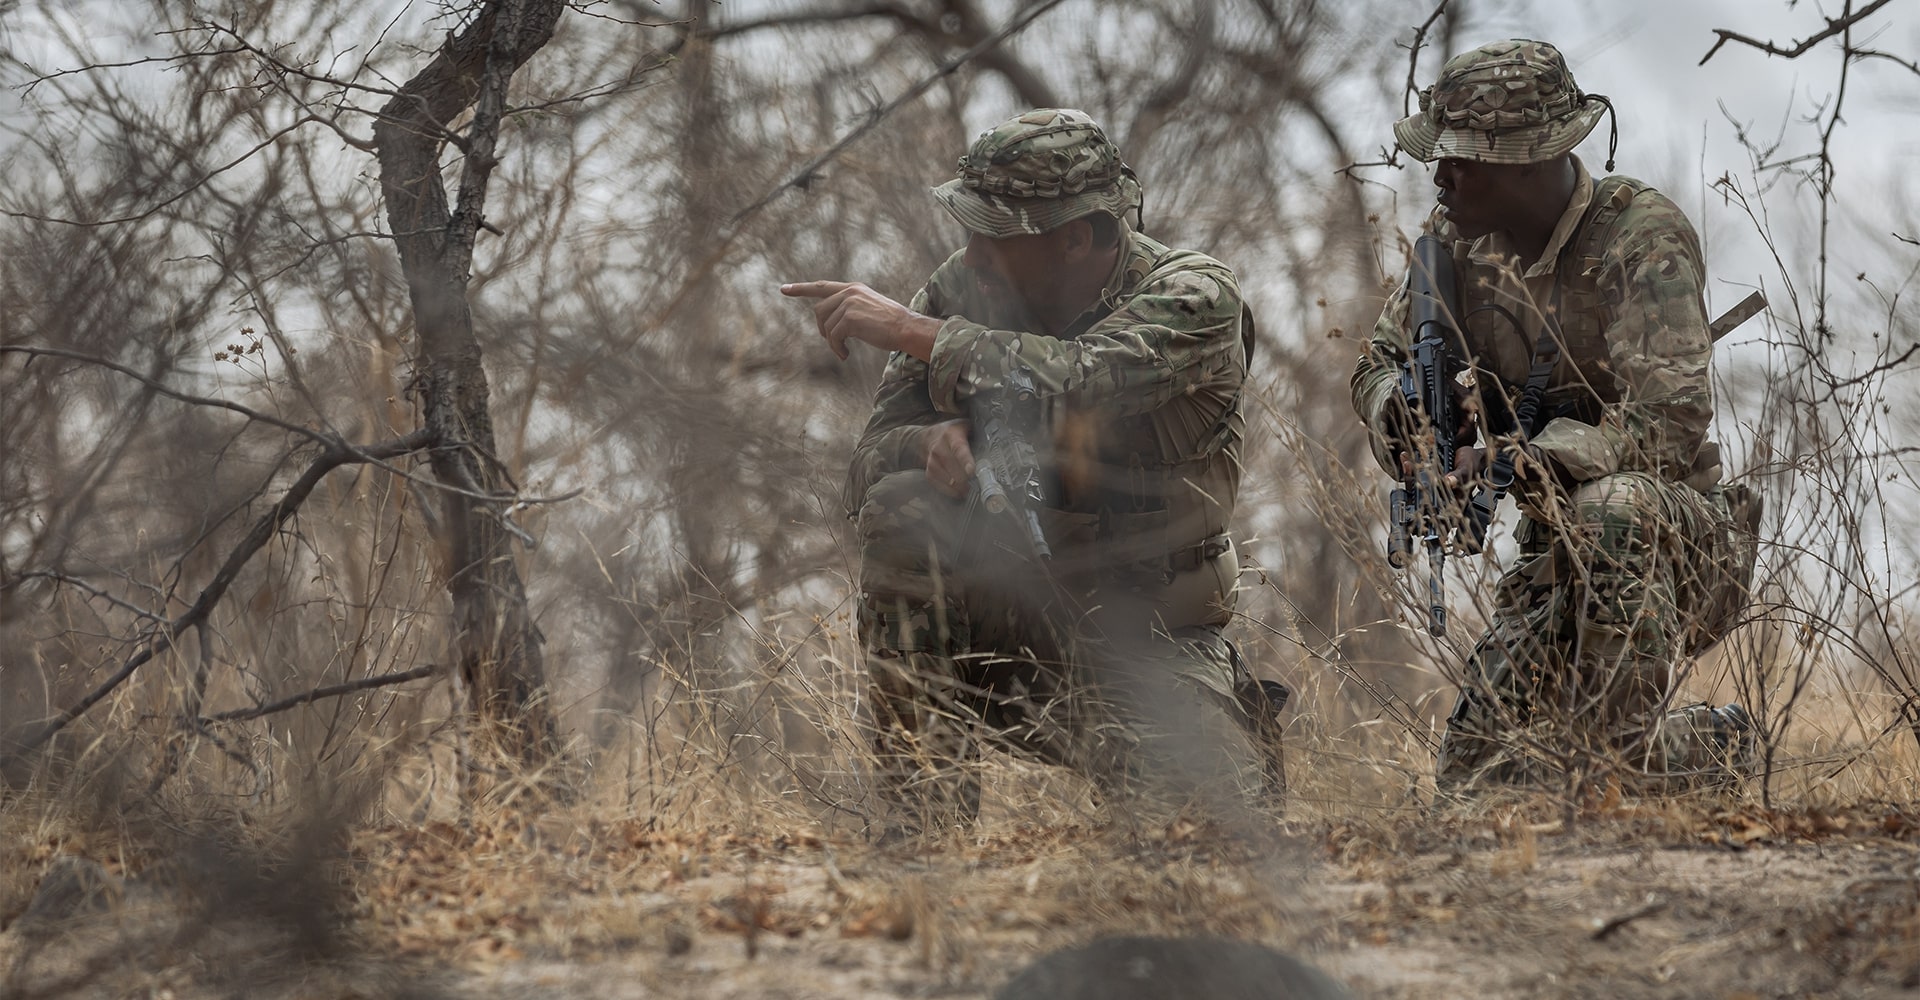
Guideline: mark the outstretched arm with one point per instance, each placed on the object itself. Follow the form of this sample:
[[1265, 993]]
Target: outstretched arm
[[849, 310]]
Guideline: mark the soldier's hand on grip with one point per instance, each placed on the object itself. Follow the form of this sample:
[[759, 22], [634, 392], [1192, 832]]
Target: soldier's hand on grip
[[949, 458]]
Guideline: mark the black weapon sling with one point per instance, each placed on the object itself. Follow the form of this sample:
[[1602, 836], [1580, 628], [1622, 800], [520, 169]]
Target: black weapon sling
[[1605, 208]]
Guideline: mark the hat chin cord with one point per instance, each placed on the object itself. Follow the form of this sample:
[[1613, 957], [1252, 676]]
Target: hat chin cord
[[1613, 128]]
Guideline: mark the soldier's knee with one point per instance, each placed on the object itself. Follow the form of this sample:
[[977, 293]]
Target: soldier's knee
[[901, 503], [1616, 512]]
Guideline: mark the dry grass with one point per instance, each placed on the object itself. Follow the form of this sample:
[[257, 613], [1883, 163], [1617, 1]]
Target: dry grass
[[732, 889]]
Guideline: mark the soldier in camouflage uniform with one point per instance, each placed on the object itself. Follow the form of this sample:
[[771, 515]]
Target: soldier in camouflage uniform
[[1108, 657], [1632, 554]]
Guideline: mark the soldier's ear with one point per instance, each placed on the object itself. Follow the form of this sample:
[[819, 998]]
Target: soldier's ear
[[1076, 239]]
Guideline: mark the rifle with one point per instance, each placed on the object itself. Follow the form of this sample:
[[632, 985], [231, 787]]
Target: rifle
[[1006, 466], [1418, 506], [1426, 387]]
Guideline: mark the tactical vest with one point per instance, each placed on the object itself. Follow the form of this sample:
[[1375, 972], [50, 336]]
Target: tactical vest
[[1581, 385], [1161, 485]]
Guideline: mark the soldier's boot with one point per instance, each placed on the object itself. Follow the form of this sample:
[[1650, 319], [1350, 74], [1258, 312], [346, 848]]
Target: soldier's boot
[[1477, 750], [1261, 702], [1703, 746]]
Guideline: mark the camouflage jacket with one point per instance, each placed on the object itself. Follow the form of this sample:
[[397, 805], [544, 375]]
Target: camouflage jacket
[[1623, 274], [1142, 390]]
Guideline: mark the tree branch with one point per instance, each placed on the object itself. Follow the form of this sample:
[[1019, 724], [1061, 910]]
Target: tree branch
[[79, 584], [805, 174], [162, 637], [330, 691], [1907, 64], [153, 209], [1835, 25], [27, 88], [324, 439], [1022, 78]]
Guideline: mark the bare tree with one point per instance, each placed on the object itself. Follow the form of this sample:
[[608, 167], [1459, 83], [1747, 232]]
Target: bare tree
[[498, 645]]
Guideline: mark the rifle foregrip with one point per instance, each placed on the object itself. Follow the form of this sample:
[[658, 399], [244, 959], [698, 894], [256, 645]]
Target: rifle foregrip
[[1399, 532], [993, 496]]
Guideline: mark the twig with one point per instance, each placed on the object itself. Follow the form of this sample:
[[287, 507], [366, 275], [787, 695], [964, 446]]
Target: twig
[[79, 584], [1907, 64], [318, 437], [1390, 155], [1413, 57], [1613, 924], [1835, 25], [27, 88], [330, 691], [1391, 702], [162, 637], [804, 176], [182, 193], [326, 440]]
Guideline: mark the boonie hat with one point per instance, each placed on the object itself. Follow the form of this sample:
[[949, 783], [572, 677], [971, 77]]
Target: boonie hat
[[1504, 102], [1037, 172]]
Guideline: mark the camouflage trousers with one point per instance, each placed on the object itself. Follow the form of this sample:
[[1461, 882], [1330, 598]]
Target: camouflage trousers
[[1578, 662], [972, 643]]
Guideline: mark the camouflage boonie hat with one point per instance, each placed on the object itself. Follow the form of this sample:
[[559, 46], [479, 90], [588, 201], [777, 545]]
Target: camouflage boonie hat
[[1036, 173], [1505, 102]]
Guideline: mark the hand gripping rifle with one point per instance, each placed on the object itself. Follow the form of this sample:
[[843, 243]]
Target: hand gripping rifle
[[1006, 467], [1418, 506], [1426, 386]]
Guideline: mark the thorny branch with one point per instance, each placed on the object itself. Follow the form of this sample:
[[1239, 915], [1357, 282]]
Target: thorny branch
[[1413, 57], [196, 185], [1390, 155], [27, 88], [82, 585], [966, 26], [1835, 25], [324, 439]]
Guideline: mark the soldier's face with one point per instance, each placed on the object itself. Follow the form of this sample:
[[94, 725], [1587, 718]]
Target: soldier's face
[[1021, 268], [1481, 198]]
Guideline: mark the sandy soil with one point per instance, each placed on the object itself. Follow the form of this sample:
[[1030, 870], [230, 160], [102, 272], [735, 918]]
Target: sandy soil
[[1633, 900]]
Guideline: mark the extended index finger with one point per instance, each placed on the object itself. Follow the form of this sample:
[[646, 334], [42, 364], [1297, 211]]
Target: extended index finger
[[813, 289]]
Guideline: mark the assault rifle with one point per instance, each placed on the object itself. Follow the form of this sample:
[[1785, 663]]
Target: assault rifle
[[1419, 506], [1006, 466]]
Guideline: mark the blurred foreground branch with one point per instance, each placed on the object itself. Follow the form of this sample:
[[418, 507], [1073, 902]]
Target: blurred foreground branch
[[330, 691], [160, 638]]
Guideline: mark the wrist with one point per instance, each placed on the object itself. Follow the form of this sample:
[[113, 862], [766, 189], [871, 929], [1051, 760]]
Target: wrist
[[915, 334]]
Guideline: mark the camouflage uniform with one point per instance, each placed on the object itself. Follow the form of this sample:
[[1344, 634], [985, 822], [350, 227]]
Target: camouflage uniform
[[968, 637], [1622, 555]]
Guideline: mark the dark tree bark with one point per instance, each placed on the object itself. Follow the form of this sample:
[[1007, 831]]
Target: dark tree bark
[[497, 646]]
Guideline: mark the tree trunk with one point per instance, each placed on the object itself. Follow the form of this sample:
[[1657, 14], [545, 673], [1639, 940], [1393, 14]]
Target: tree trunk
[[496, 644]]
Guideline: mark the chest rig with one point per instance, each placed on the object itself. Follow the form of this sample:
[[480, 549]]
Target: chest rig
[[1558, 346], [1160, 485]]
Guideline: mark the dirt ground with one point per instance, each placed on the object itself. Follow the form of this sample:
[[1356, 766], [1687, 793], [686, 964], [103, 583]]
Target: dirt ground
[[1528, 899]]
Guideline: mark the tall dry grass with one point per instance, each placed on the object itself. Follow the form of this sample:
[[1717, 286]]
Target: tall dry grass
[[696, 597]]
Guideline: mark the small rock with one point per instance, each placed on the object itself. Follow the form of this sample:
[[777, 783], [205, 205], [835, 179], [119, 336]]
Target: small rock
[[679, 938], [1145, 968]]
